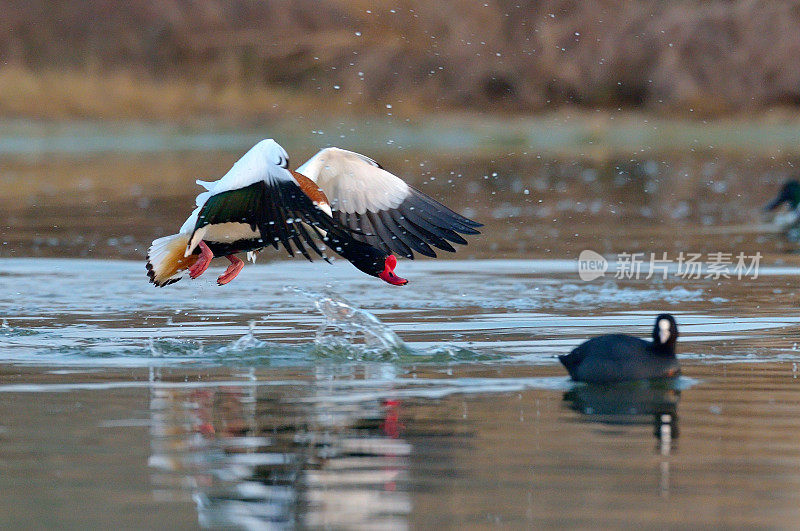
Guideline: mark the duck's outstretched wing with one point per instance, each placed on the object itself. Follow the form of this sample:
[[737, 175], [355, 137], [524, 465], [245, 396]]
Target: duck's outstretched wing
[[381, 209], [275, 208]]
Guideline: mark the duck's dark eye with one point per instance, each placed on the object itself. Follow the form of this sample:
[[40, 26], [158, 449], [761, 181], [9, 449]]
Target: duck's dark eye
[[283, 162]]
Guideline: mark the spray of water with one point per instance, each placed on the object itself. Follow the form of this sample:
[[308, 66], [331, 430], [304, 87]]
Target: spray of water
[[347, 332], [346, 324], [247, 341]]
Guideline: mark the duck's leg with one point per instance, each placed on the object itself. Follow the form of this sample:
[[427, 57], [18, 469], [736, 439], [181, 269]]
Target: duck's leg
[[199, 267], [233, 270]]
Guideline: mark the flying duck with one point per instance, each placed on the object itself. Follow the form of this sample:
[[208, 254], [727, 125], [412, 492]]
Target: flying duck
[[619, 357], [359, 210]]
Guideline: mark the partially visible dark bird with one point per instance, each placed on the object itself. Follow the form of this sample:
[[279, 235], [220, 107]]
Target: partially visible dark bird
[[790, 195]]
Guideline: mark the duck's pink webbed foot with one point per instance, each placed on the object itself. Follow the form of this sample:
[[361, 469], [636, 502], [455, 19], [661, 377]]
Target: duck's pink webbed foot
[[199, 267], [233, 270]]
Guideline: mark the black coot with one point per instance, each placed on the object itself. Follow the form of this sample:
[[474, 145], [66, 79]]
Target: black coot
[[619, 357]]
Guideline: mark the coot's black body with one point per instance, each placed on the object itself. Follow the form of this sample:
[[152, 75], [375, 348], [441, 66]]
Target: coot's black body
[[618, 357]]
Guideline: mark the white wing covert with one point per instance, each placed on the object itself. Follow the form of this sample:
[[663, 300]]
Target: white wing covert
[[381, 208]]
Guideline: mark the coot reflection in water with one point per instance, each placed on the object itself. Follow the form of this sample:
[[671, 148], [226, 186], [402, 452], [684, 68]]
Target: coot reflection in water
[[640, 402], [653, 402]]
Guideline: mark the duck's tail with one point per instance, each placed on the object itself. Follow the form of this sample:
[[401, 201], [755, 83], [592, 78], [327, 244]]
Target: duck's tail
[[165, 260]]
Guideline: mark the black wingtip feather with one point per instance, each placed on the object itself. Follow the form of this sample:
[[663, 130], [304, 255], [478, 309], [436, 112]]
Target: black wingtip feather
[[422, 238], [416, 216], [418, 245], [435, 213], [390, 237], [443, 211]]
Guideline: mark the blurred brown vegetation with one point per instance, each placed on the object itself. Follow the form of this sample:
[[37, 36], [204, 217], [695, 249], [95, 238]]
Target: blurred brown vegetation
[[167, 57]]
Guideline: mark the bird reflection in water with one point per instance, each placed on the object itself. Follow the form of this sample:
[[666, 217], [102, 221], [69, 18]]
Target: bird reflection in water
[[653, 402], [284, 456]]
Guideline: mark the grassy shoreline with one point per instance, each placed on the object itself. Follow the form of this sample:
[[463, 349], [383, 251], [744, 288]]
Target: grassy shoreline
[[40, 110]]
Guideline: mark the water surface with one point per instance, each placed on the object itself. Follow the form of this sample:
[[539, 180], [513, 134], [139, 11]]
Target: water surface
[[312, 395], [308, 394]]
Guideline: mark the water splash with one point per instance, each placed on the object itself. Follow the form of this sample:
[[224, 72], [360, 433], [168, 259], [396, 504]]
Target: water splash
[[174, 348], [246, 342], [346, 324], [6, 330]]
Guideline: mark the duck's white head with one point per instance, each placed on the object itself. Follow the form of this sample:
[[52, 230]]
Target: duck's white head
[[266, 160], [272, 152]]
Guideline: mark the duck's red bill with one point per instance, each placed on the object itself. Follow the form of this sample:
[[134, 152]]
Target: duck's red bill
[[387, 275]]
